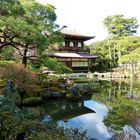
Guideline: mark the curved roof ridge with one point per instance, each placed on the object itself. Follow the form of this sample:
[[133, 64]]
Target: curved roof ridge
[[74, 32]]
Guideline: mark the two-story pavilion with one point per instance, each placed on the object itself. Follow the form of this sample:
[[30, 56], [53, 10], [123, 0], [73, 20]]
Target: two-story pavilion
[[73, 54]]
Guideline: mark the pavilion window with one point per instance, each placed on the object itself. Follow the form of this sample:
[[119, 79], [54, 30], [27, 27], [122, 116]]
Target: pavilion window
[[71, 44], [85, 64], [75, 59], [79, 44], [79, 64], [84, 59], [64, 59]]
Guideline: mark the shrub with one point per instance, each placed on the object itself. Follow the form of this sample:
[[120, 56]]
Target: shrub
[[6, 62], [12, 119], [19, 75], [32, 100]]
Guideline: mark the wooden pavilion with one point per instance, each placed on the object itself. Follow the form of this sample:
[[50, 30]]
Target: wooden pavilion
[[73, 53]]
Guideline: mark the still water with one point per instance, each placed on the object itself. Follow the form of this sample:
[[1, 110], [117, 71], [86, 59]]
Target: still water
[[112, 112], [92, 122]]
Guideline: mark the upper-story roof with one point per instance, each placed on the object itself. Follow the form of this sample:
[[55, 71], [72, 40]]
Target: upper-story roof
[[73, 34]]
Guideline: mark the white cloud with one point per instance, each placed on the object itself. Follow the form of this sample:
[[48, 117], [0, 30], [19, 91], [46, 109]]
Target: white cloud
[[92, 122], [87, 16]]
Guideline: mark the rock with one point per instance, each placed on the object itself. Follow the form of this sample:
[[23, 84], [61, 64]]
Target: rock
[[46, 93], [74, 91], [56, 94]]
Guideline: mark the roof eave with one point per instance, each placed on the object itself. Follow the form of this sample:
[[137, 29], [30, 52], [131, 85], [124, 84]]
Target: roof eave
[[84, 38]]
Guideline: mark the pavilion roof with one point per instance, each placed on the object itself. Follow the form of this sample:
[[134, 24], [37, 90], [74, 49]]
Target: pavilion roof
[[73, 55], [75, 34]]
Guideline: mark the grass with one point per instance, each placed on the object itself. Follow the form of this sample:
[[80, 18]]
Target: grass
[[82, 80]]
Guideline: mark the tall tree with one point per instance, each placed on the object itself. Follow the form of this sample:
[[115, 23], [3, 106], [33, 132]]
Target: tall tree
[[133, 59], [118, 25], [119, 28], [24, 31]]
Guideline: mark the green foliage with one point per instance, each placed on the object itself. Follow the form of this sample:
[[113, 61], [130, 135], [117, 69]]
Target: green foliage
[[69, 96], [33, 90], [122, 110], [133, 58], [129, 51], [11, 8], [118, 25], [122, 30], [14, 120], [116, 119], [82, 80], [127, 44], [49, 64], [19, 75], [26, 40], [112, 52], [130, 58], [7, 53], [121, 115], [59, 134], [7, 62], [32, 100], [104, 50], [53, 65], [26, 37]]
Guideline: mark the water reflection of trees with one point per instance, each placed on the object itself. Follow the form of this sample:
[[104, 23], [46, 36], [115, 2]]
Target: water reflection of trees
[[120, 116], [123, 118]]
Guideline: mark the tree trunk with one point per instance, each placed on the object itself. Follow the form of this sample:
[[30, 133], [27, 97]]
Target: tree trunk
[[24, 61], [114, 55], [24, 58], [132, 76], [119, 56], [109, 51], [21, 93]]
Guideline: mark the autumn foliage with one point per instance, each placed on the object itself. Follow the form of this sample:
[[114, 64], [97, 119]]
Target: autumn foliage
[[18, 74]]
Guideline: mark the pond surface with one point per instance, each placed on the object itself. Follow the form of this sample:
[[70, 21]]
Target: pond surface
[[92, 122], [112, 112]]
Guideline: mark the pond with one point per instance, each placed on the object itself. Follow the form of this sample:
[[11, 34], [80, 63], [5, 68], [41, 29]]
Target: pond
[[112, 111]]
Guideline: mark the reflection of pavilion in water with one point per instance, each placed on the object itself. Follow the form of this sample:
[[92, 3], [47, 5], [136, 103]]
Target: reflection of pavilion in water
[[59, 110]]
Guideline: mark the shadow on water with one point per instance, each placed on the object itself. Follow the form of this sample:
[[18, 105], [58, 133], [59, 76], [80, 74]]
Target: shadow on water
[[65, 110]]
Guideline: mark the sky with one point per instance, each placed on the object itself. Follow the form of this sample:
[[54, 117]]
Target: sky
[[86, 16]]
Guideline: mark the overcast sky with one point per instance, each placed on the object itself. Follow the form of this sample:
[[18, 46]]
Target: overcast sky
[[86, 16]]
